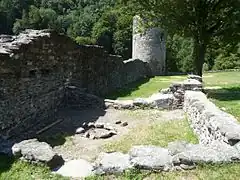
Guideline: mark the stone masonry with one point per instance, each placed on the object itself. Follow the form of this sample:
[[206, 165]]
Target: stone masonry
[[209, 122], [149, 46], [42, 71]]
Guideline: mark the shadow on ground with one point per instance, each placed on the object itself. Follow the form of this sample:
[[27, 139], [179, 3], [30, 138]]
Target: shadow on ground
[[5, 163], [225, 94], [127, 90], [73, 119]]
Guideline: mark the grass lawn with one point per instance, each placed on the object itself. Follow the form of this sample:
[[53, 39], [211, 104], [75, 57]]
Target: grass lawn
[[146, 88], [227, 97], [159, 134]]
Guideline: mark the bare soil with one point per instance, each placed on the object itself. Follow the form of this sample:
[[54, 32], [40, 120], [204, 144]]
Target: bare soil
[[75, 146]]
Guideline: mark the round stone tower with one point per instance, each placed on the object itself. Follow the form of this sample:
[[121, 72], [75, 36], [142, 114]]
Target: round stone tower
[[149, 45]]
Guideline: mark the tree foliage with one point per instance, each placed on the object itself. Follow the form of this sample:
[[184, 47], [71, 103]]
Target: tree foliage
[[195, 28], [201, 20]]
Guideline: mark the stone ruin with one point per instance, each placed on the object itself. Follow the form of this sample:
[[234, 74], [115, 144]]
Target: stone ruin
[[149, 45], [42, 72], [170, 98], [218, 133]]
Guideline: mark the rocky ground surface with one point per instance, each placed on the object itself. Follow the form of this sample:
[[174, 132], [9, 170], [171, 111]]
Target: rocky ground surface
[[112, 124]]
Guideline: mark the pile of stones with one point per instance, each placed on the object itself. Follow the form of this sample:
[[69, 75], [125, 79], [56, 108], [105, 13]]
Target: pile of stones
[[99, 130], [170, 98]]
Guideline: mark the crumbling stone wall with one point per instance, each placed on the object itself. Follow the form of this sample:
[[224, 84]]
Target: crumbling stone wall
[[38, 67], [208, 121]]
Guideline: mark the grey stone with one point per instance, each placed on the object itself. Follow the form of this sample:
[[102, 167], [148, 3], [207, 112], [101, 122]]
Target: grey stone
[[149, 46], [217, 152], [161, 100], [191, 84], [118, 122], [38, 152], [102, 133], [80, 130], [178, 147], [99, 125], [237, 146], [208, 121], [150, 158], [124, 104], [76, 169], [91, 125], [140, 102], [108, 163], [124, 124]]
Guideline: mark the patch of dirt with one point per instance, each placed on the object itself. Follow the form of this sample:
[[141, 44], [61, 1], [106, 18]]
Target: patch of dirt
[[76, 146]]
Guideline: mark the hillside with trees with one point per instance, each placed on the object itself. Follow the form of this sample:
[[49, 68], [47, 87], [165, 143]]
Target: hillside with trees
[[199, 32]]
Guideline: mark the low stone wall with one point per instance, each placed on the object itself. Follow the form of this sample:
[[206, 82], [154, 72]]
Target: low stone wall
[[208, 121]]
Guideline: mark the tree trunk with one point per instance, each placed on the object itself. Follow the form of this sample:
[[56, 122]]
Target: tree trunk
[[199, 55]]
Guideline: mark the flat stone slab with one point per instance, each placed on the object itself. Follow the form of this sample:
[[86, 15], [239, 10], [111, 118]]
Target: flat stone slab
[[38, 152], [109, 163], [177, 147], [217, 152], [102, 133], [140, 102], [161, 100], [76, 169], [150, 158]]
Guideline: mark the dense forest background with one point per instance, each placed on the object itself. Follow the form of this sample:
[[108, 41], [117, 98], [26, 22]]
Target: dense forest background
[[108, 23]]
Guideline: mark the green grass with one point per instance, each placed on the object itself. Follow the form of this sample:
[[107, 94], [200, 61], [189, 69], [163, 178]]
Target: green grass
[[202, 172], [147, 87], [159, 134], [18, 170], [227, 99]]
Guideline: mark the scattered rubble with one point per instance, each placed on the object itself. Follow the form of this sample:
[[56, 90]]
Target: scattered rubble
[[99, 130]]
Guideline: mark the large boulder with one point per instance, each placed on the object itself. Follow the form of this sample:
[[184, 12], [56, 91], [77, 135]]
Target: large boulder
[[37, 152], [151, 158], [109, 163], [76, 169]]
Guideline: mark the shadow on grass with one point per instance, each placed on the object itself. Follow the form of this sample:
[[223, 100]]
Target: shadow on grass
[[225, 94], [5, 163], [128, 89]]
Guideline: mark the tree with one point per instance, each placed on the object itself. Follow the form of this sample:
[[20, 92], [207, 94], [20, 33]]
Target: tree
[[201, 20]]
